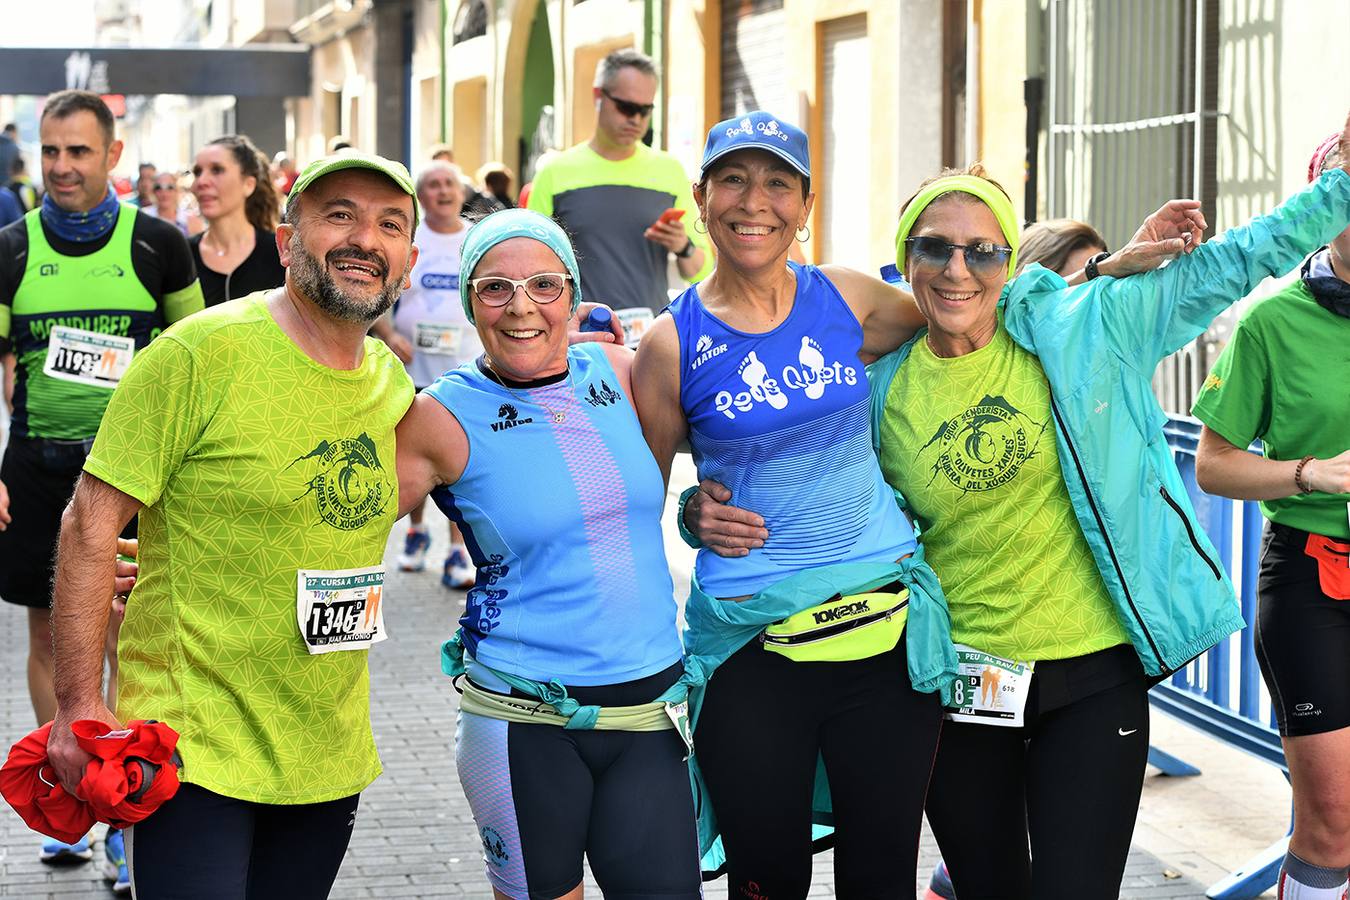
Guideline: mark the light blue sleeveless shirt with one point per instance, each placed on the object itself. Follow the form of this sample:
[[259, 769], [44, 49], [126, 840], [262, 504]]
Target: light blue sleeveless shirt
[[782, 419], [562, 521]]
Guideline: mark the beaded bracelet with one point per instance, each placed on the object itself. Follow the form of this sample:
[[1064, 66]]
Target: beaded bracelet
[[1298, 476]]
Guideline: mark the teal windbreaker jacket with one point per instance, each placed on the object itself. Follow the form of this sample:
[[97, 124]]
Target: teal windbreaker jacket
[[1099, 343]]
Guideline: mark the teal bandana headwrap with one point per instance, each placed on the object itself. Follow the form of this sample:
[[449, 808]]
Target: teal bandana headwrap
[[513, 223]]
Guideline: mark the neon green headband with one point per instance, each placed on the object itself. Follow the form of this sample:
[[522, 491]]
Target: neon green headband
[[985, 191]]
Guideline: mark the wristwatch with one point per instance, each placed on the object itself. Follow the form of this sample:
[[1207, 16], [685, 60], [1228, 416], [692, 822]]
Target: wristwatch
[[1090, 268], [687, 251]]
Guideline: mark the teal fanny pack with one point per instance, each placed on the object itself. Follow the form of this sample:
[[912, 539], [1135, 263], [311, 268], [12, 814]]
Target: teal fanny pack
[[843, 628]]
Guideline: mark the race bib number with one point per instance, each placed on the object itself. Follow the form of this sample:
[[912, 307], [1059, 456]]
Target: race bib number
[[340, 609], [438, 338], [635, 322], [87, 357], [989, 690]]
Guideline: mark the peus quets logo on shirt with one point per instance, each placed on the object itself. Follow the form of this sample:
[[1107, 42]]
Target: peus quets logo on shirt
[[605, 396], [349, 485], [808, 376]]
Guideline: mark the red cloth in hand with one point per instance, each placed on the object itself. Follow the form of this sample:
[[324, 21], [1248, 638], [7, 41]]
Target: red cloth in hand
[[115, 781], [28, 782], [133, 771]]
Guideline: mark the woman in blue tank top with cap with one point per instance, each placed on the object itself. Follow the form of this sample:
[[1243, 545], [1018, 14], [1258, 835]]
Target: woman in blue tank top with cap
[[816, 635], [567, 745]]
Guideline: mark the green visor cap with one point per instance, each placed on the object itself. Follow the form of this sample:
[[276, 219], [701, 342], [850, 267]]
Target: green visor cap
[[394, 171]]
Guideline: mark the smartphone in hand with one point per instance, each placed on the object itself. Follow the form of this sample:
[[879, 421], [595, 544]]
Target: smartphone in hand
[[671, 216]]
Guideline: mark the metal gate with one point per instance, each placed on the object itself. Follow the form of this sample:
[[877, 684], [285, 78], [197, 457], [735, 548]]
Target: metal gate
[[1129, 128]]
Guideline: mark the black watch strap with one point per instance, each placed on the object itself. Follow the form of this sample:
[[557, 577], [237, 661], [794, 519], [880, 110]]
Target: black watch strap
[[686, 251], [1090, 268]]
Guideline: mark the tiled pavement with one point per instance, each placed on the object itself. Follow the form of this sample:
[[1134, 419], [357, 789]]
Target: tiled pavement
[[414, 836]]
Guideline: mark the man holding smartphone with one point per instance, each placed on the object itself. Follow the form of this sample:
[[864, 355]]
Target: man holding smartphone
[[622, 201]]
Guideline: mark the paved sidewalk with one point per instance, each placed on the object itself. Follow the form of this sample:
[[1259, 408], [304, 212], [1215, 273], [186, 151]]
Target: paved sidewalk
[[414, 836]]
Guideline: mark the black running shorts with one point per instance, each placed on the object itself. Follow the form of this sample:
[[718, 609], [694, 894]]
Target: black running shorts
[[1302, 638], [40, 475]]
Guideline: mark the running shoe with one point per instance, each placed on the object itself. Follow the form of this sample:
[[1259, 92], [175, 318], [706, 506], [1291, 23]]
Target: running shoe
[[59, 853], [115, 863], [940, 885], [458, 574], [414, 555]]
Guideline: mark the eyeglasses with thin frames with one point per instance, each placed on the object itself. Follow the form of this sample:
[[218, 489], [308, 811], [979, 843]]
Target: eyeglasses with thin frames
[[628, 108], [542, 288]]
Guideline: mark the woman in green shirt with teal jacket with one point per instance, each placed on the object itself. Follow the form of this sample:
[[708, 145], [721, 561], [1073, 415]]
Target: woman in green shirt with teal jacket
[[1024, 436]]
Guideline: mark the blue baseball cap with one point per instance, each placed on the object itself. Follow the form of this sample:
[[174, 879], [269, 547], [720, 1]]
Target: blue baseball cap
[[758, 130]]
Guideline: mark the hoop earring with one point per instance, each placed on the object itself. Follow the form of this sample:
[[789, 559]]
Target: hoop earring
[[699, 221], [808, 233]]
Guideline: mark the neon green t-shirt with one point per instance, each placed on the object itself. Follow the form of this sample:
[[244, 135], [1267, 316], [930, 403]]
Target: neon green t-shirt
[[1285, 378], [253, 462], [970, 443]]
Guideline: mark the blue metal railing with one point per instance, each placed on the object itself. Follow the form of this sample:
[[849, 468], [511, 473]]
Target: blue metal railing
[[1201, 693]]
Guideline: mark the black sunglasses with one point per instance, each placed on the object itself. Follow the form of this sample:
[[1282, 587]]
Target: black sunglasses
[[983, 259], [628, 108]]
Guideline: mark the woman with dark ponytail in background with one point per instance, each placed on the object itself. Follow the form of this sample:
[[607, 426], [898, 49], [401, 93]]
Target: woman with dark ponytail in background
[[237, 254]]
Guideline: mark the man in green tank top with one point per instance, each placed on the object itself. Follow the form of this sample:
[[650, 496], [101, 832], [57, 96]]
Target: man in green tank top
[[256, 442], [85, 284]]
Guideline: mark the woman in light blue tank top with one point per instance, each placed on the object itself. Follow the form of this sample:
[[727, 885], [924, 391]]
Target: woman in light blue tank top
[[760, 368], [536, 453]]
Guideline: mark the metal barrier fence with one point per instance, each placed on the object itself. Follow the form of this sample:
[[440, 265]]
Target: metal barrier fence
[[1220, 692]]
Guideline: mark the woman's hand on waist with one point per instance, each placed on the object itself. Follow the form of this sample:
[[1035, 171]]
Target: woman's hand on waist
[[724, 529]]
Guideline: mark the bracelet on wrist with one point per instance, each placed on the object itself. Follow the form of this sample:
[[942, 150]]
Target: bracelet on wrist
[[1304, 487], [685, 534]]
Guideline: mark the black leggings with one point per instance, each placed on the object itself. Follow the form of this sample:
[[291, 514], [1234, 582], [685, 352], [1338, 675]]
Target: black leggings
[[764, 724], [1068, 780], [202, 846]]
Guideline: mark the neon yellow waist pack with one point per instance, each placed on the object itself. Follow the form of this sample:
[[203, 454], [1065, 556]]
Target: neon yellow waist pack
[[842, 628]]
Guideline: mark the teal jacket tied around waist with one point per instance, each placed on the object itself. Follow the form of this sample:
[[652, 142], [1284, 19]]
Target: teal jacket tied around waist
[[718, 628], [1099, 343]]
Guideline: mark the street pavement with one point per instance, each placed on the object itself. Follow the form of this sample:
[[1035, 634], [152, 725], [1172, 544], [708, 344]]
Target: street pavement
[[414, 835]]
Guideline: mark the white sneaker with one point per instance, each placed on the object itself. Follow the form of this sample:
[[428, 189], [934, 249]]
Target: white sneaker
[[458, 574], [414, 555]]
